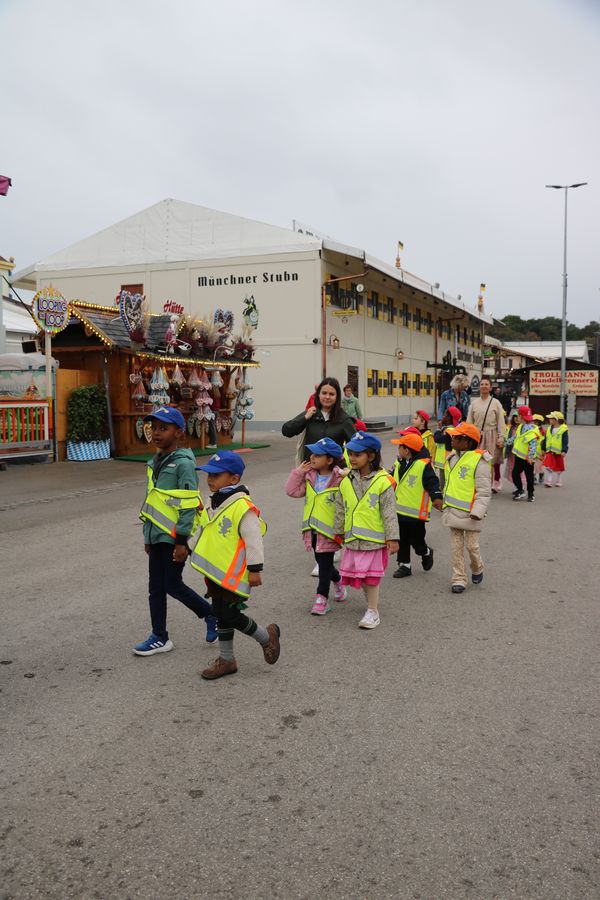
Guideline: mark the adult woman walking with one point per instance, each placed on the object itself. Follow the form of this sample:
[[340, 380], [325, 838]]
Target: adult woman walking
[[325, 419], [457, 396], [487, 414]]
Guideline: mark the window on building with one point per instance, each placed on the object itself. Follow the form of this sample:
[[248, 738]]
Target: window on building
[[389, 309], [353, 379], [465, 336], [375, 382], [417, 319], [390, 384], [417, 385], [405, 314], [429, 323]]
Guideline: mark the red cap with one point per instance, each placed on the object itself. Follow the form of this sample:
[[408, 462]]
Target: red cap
[[360, 426], [410, 429], [455, 413], [525, 413], [424, 415]]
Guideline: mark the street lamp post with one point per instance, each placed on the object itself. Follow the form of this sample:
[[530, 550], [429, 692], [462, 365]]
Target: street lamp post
[[563, 340]]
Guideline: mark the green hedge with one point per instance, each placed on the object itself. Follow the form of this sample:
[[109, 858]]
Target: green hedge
[[87, 418]]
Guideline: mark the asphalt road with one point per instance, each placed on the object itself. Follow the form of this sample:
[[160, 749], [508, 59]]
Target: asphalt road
[[451, 753]]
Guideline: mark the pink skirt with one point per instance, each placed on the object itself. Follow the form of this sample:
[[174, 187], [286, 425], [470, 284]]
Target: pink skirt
[[555, 462], [363, 567]]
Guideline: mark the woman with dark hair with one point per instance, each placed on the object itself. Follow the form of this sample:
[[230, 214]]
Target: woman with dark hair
[[325, 419]]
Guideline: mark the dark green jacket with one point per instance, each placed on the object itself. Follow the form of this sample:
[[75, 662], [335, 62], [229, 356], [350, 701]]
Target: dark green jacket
[[175, 471]]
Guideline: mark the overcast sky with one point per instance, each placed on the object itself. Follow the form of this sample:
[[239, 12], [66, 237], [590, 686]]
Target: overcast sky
[[436, 122]]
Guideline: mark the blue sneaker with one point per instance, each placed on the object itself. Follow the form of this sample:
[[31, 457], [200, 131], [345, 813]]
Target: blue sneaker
[[477, 579], [211, 629], [151, 645]]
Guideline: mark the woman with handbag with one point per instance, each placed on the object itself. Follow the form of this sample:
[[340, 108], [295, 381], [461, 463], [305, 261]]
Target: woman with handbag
[[487, 414], [325, 419]]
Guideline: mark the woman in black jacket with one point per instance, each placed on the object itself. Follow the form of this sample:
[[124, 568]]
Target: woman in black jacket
[[325, 419]]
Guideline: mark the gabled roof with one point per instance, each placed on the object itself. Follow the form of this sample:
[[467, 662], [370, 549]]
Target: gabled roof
[[549, 349], [173, 231]]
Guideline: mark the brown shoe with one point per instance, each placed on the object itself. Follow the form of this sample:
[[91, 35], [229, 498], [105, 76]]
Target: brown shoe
[[272, 650], [219, 668]]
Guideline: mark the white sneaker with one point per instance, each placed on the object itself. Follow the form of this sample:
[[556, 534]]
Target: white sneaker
[[370, 619], [315, 571]]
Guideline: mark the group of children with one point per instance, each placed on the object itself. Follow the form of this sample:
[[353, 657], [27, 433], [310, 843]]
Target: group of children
[[350, 502], [532, 451]]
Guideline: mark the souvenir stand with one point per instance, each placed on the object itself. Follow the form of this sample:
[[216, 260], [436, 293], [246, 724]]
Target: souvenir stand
[[151, 360]]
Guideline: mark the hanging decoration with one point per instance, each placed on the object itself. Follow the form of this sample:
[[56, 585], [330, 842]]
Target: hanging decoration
[[133, 310], [250, 314]]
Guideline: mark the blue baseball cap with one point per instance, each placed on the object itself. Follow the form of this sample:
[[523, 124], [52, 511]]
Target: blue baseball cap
[[362, 441], [325, 447], [167, 414], [224, 461]]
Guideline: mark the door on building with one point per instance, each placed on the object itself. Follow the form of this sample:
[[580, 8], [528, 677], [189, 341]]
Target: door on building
[[353, 379]]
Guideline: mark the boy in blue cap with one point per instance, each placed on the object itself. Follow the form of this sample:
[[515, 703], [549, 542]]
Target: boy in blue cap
[[229, 553], [168, 515]]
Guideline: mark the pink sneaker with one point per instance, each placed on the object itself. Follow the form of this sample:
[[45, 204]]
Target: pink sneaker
[[320, 606], [339, 592]]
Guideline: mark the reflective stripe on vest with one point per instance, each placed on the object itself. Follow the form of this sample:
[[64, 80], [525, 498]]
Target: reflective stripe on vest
[[319, 510], [411, 498], [522, 441], [161, 507], [363, 520], [554, 439], [220, 552], [459, 487]]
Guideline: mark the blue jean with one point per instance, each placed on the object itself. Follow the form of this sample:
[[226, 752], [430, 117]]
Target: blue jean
[[165, 577]]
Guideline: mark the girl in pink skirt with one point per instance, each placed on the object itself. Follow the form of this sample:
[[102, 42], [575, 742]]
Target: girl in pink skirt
[[556, 444], [365, 514]]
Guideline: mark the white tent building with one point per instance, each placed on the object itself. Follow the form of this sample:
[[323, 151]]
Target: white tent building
[[385, 340]]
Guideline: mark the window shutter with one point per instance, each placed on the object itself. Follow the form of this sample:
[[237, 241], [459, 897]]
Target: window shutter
[[369, 382]]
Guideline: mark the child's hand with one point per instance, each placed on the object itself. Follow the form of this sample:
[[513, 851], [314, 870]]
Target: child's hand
[[393, 546], [180, 553], [254, 579], [475, 518], [305, 466], [147, 548], [437, 504]]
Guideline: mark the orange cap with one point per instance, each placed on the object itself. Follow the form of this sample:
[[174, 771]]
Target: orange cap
[[468, 430], [410, 440]]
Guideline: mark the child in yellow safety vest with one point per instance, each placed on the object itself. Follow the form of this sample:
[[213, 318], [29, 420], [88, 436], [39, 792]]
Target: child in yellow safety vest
[[556, 446], [538, 466], [420, 420], [365, 514], [443, 440], [229, 553], [317, 480], [417, 489], [524, 450], [467, 495], [169, 510]]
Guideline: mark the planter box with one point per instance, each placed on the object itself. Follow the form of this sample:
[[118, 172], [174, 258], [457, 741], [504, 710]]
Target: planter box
[[82, 451]]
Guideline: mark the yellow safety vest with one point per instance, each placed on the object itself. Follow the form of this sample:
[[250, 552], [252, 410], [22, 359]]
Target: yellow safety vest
[[220, 552], [319, 510], [441, 454], [363, 520], [428, 441], [411, 498], [522, 441], [554, 439], [162, 507], [459, 487]]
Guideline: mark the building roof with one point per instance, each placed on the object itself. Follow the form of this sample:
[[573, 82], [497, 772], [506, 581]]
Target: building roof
[[549, 349], [174, 231], [16, 319]]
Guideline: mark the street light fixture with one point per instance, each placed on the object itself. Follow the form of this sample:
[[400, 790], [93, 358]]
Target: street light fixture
[[563, 341]]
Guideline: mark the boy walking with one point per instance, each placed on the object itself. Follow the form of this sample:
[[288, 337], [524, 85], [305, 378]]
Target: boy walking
[[168, 515], [524, 451], [229, 553], [467, 494], [417, 487]]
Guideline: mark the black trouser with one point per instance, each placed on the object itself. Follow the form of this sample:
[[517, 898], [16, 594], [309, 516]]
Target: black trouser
[[165, 577], [327, 569], [229, 617], [523, 465], [412, 534]]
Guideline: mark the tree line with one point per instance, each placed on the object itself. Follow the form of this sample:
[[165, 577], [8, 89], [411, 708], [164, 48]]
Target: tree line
[[548, 329]]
